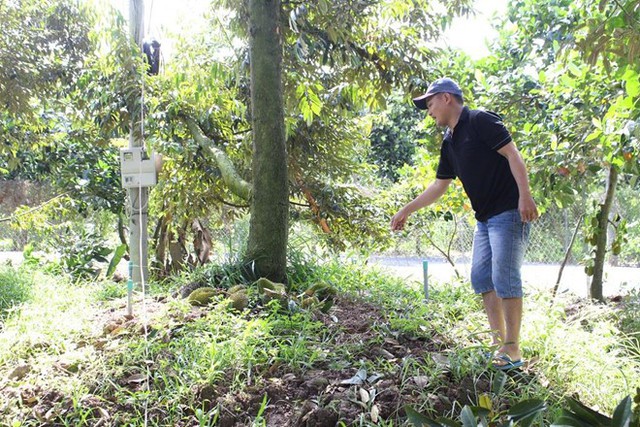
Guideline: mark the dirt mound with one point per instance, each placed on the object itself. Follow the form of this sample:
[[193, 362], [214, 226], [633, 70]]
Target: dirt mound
[[322, 395]]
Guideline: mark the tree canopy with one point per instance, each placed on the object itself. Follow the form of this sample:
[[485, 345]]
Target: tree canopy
[[562, 73]]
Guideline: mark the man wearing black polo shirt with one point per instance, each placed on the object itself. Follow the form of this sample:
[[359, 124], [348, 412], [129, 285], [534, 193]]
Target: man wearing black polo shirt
[[477, 148]]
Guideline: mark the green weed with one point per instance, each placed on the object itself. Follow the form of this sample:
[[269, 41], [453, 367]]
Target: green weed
[[109, 290], [15, 287]]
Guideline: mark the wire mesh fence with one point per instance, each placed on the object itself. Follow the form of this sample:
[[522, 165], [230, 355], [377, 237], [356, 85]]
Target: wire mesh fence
[[550, 238]]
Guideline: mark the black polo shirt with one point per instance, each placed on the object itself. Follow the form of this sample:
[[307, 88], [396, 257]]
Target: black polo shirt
[[470, 153]]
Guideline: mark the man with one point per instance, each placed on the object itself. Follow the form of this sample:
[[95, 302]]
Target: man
[[477, 148]]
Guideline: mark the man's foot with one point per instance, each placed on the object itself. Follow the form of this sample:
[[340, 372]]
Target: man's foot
[[504, 362], [511, 350]]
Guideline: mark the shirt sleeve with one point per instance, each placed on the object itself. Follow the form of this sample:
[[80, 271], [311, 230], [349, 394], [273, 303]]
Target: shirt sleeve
[[445, 169], [491, 129]]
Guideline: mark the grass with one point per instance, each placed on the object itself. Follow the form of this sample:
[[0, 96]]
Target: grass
[[15, 287], [176, 365]]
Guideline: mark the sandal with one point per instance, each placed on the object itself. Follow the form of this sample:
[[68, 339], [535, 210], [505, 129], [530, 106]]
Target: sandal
[[504, 362]]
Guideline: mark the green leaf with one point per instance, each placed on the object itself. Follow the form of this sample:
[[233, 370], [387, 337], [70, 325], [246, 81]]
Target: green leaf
[[542, 77], [323, 6], [449, 422], [622, 413], [575, 70], [527, 421], [633, 87], [467, 417], [567, 420], [115, 259], [499, 380], [480, 411], [419, 420], [632, 82], [597, 123], [586, 414], [526, 409], [593, 135]]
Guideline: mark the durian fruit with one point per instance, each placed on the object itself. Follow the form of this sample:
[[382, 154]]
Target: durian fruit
[[202, 296], [311, 290], [308, 302], [270, 290], [187, 289], [236, 288], [321, 292], [264, 283], [239, 300]]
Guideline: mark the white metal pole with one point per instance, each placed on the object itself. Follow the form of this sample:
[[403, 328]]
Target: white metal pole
[[138, 197]]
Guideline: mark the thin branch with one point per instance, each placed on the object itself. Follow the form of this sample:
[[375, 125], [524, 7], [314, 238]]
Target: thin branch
[[233, 205], [453, 235], [12, 217], [630, 16], [567, 254], [373, 58], [240, 132], [444, 254], [299, 204]]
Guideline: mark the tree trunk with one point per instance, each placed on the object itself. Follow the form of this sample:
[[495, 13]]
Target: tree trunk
[[269, 225], [601, 239]]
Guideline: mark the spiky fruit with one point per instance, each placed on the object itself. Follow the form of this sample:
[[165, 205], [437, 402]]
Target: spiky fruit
[[202, 296], [264, 283], [236, 288], [309, 302], [270, 290], [239, 301]]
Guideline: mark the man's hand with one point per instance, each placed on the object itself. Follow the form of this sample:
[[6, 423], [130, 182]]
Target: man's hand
[[428, 196], [527, 208], [399, 219]]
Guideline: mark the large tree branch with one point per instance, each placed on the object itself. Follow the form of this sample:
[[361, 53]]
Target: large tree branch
[[230, 176]]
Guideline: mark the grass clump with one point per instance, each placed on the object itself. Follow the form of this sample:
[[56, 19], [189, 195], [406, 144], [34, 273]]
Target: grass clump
[[15, 287]]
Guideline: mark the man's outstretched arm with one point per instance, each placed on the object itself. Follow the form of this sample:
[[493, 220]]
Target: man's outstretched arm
[[433, 192]]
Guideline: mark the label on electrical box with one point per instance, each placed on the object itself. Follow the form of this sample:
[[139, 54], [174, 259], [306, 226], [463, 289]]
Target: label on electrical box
[[136, 169]]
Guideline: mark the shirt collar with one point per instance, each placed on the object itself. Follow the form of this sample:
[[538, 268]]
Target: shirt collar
[[464, 117]]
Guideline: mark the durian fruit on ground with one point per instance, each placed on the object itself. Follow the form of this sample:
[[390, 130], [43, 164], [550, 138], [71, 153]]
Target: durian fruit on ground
[[309, 302], [202, 296], [319, 295], [236, 288], [269, 290], [239, 299]]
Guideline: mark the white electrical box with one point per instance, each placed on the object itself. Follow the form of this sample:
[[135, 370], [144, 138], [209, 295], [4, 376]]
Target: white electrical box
[[136, 169]]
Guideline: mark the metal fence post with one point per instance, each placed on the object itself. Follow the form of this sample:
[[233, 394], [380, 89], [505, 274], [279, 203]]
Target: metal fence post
[[425, 280]]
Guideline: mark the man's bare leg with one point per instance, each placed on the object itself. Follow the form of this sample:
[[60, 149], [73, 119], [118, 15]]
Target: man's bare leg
[[495, 313], [505, 319], [512, 309]]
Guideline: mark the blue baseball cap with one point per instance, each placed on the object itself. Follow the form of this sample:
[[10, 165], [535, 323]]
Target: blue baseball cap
[[443, 85]]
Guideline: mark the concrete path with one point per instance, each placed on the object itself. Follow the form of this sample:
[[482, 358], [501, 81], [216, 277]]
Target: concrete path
[[13, 258], [618, 280]]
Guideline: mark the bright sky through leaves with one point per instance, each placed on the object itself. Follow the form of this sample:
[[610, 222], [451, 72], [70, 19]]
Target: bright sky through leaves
[[471, 34], [468, 34]]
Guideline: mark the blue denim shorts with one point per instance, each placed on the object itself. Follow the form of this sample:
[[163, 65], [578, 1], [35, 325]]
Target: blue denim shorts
[[498, 250]]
